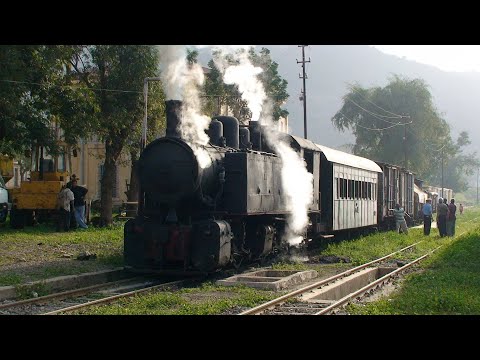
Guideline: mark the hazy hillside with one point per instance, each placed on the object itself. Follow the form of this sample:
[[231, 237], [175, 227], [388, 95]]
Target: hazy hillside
[[333, 66]]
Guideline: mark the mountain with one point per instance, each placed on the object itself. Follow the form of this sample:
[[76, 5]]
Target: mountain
[[332, 67]]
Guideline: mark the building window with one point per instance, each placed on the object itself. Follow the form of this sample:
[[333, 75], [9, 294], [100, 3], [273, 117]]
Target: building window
[[101, 169], [337, 180]]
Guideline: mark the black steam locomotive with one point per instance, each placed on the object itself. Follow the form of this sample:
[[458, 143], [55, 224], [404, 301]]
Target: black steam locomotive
[[193, 218]]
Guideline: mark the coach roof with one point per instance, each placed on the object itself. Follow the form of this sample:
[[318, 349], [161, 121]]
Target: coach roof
[[343, 158], [337, 156]]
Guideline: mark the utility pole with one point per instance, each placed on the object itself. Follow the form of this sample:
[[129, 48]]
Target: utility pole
[[442, 173], [405, 139], [304, 91], [143, 140], [478, 170]]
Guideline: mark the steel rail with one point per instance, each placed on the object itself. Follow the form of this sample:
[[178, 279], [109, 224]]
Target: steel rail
[[65, 294], [115, 297], [372, 284], [258, 309], [382, 279]]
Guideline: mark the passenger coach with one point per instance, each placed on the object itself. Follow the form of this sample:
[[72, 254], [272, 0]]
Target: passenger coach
[[349, 190]]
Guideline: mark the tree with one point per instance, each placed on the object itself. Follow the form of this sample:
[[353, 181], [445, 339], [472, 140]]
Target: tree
[[218, 93], [115, 74], [275, 86], [380, 117], [35, 94], [460, 166], [156, 123]]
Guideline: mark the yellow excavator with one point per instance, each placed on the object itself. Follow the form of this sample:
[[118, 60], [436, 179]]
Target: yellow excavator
[[36, 199]]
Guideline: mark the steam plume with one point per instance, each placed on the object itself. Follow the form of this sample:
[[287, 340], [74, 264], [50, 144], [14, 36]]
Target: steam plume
[[296, 180], [182, 82]]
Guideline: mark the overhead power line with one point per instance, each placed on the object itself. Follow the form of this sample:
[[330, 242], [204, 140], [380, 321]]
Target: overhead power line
[[374, 129], [425, 144], [70, 86], [358, 92], [376, 115]]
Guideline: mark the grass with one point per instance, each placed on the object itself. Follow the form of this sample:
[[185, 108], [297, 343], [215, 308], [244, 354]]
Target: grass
[[39, 252], [210, 299], [449, 284], [207, 299], [374, 246]]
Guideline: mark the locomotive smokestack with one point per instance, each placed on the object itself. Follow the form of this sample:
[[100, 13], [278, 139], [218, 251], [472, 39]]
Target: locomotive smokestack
[[173, 109]]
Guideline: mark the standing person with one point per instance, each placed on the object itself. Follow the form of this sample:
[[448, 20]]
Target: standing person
[[72, 179], [73, 222], [79, 204], [427, 217], [64, 200], [399, 215], [442, 210], [460, 208], [452, 208]]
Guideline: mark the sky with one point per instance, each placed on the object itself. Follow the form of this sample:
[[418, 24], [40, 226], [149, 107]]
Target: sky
[[459, 58]]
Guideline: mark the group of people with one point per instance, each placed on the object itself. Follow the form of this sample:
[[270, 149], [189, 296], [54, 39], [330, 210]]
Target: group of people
[[446, 217], [71, 204]]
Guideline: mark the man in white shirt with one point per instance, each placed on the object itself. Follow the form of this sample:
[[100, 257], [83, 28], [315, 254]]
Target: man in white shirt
[[64, 199]]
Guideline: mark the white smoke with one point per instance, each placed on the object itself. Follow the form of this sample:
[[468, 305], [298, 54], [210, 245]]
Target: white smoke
[[298, 185], [245, 76], [297, 182], [182, 81]]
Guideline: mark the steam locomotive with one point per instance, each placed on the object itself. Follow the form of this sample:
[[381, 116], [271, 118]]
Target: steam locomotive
[[235, 209]]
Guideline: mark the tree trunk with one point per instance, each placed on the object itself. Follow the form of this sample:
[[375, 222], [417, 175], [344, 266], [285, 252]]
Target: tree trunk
[[107, 186], [132, 193], [69, 159]]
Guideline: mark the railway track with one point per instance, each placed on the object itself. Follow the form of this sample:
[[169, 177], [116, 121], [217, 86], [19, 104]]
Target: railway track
[[109, 299], [293, 304], [68, 301]]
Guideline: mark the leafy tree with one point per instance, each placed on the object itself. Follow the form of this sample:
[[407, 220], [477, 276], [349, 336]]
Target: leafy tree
[[380, 117], [460, 166], [35, 94], [115, 74], [275, 86], [156, 124], [219, 94]]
